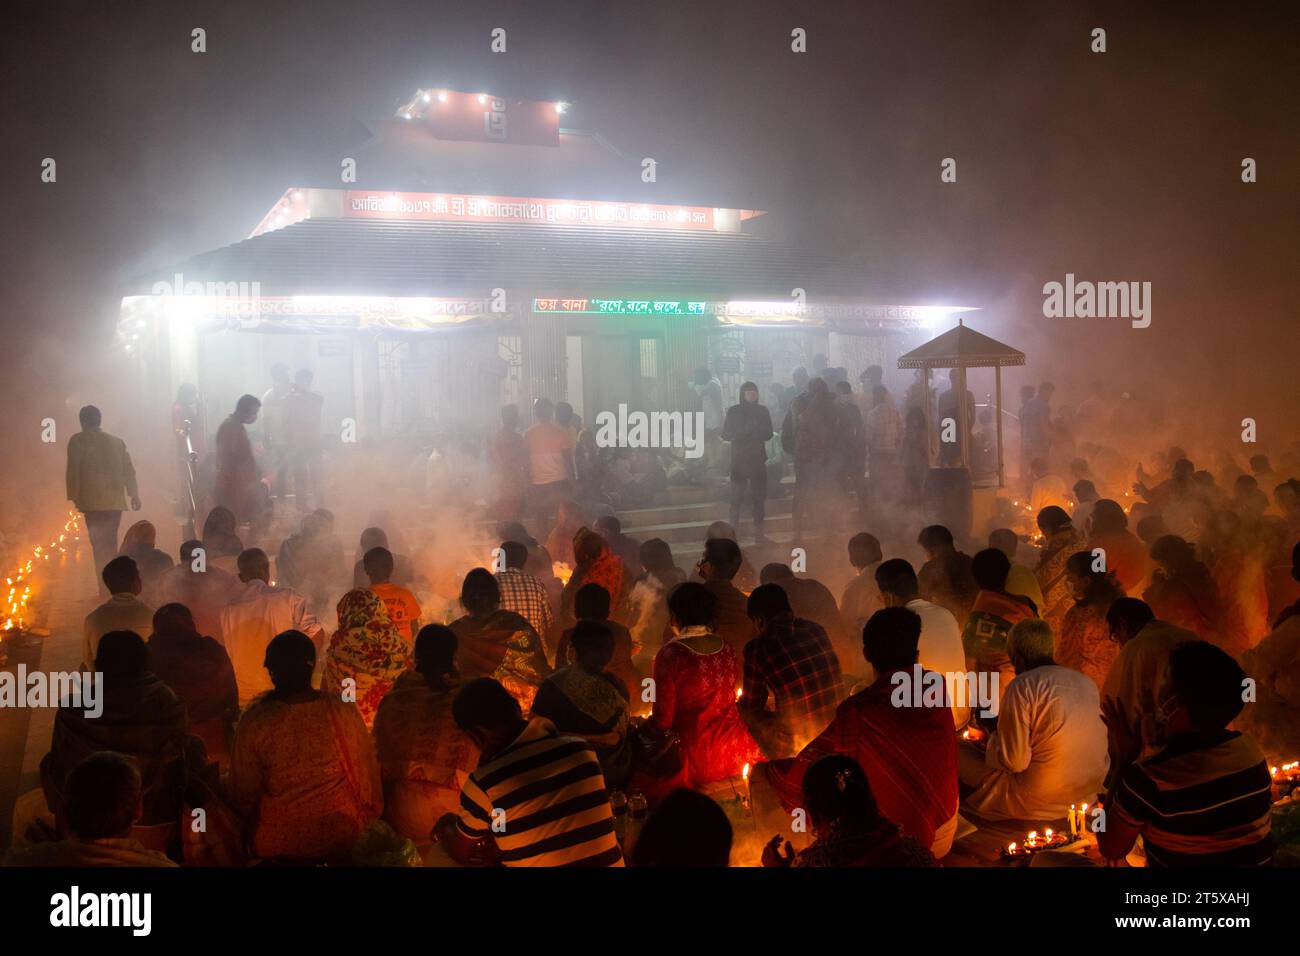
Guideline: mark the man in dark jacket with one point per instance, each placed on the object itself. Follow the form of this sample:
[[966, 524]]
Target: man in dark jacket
[[748, 426]]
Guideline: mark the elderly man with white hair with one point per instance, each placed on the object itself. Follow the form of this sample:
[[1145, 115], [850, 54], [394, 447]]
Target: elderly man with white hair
[[1049, 748]]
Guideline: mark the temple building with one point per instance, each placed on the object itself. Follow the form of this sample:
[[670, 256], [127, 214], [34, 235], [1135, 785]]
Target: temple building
[[474, 251]]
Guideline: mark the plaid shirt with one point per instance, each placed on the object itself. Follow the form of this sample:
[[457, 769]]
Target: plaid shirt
[[526, 596], [793, 662]]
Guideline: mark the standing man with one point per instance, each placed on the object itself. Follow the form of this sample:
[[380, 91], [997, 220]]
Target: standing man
[[706, 385], [302, 441], [236, 468], [748, 426], [550, 463], [507, 457], [276, 402], [100, 476]]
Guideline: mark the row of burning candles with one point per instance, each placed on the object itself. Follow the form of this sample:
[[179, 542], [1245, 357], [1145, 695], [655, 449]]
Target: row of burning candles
[[1049, 838], [19, 581], [1288, 774]]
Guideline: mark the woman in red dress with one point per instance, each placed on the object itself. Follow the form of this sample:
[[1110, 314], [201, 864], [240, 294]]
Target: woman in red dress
[[695, 695]]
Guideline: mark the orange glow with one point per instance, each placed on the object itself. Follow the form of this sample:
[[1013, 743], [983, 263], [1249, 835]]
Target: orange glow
[[20, 590]]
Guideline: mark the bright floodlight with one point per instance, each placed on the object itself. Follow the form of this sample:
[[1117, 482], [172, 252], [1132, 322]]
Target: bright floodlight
[[482, 98], [424, 97], [561, 107], [442, 97]]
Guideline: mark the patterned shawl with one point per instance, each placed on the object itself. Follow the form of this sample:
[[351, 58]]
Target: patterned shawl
[[368, 648]]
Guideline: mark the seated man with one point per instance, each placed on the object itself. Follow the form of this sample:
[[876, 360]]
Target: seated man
[[940, 648], [792, 666], [1048, 749], [718, 567], [403, 571], [1204, 800], [586, 700], [403, 608], [1136, 675], [199, 585], [813, 601], [536, 798], [138, 716], [945, 579], [909, 753], [524, 593], [591, 603], [103, 804], [861, 597], [123, 611]]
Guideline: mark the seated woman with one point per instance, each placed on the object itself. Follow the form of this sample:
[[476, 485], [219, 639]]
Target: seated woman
[[595, 563], [103, 805], [497, 643], [198, 669], [695, 696], [220, 542], [847, 825], [1126, 555], [647, 602], [303, 770], [583, 699], [141, 718], [1182, 590], [1085, 642], [367, 649], [140, 544], [424, 758]]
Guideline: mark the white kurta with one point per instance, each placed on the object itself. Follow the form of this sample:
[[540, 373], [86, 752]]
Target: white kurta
[[251, 620], [1049, 750]]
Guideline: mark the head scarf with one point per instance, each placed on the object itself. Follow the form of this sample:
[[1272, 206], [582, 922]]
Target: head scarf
[[368, 648], [605, 568], [139, 538]]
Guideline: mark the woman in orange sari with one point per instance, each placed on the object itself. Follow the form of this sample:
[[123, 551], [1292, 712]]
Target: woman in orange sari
[[1084, 642], [303, 768], [595, 563], [1060, 540]]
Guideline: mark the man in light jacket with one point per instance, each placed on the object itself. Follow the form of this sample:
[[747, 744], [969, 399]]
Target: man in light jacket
[[100, 477]]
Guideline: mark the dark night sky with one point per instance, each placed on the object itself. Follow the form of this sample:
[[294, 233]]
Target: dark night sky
[[1122, 166]]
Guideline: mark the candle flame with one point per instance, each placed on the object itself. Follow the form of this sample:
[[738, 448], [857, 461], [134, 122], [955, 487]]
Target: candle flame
[[744, 773]]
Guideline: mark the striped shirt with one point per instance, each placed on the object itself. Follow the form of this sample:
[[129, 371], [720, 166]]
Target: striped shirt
[[1201, 802], [543, 801]]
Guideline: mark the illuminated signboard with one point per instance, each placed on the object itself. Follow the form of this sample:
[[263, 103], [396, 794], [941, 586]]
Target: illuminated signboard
[[455, 207], [621, 306]]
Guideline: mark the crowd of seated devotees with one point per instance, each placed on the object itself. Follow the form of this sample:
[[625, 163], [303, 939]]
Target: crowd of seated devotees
[[500, 738]]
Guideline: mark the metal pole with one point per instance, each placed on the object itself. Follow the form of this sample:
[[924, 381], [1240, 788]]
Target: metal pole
[[997, 380]]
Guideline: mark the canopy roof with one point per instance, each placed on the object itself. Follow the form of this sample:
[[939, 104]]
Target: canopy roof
[[962, 347]]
